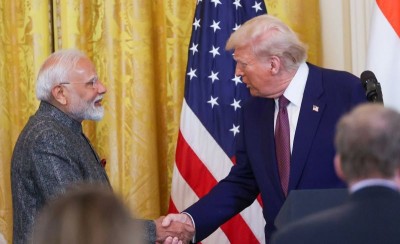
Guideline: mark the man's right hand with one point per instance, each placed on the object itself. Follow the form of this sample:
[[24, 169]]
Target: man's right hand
[[174, 226]]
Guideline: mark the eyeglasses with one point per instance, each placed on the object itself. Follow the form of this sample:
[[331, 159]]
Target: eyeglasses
[[93, 82]]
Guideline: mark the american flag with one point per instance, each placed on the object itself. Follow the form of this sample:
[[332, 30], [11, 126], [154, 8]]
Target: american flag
[[210, 115]]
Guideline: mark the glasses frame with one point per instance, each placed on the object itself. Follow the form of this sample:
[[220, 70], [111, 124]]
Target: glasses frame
[[94, 80]]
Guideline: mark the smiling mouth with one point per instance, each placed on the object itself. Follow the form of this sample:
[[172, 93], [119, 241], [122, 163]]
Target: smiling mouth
[[98, 102]]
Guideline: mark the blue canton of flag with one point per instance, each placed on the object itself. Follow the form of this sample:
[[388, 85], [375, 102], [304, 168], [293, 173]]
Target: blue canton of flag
[[212, 90]]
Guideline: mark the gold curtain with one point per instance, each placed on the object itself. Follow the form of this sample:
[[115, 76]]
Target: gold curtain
[[303, 17], [140, 50]]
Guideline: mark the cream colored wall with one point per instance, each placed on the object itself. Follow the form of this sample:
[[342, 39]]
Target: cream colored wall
[[345, 30]]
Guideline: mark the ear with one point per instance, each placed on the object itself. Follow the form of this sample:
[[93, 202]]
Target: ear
[[338, 167], [275, 64], [58, 93]]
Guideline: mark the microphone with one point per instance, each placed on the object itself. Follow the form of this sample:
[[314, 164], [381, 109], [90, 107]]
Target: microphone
[[372, 87]]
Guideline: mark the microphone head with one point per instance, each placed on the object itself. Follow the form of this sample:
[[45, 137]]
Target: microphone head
[[365, 76]]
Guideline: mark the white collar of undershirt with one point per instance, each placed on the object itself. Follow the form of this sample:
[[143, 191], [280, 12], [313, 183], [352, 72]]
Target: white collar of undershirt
[[374, 182], [295, 90]]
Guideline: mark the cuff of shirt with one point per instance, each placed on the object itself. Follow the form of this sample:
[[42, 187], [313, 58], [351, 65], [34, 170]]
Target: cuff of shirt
[[194, 226]]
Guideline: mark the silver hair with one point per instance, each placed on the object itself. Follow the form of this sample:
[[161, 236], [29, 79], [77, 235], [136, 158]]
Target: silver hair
[[55, 70], [269, 36]]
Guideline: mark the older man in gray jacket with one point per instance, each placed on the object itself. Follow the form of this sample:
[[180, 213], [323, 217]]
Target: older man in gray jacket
[[52, 153]]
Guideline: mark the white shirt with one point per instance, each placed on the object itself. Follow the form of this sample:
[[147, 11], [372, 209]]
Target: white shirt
[[373, 182], [294, 93]]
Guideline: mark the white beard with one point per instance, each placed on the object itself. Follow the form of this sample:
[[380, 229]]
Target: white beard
[[83, 110]]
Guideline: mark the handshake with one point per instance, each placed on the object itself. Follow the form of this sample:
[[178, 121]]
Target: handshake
[[174, 229]]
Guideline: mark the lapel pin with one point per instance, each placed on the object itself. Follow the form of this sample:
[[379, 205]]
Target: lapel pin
[[315, 108]]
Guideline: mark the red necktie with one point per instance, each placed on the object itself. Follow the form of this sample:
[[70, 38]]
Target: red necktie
[[282, 143]]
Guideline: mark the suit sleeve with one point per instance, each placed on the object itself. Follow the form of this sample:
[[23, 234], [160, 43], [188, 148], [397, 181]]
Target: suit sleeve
[[228, 198]]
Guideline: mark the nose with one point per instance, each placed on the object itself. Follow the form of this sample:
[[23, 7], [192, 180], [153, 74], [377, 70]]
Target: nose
[[238, 70], [101, 88]]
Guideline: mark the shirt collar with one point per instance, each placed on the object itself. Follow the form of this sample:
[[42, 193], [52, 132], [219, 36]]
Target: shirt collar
[[47, 109], [373, 182], [295, 90]]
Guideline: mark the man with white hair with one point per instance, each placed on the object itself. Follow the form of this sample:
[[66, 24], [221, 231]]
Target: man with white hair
[[287, 126], [52, 153]]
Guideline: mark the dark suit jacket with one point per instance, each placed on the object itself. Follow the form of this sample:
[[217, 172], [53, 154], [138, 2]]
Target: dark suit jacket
[[371, 215], [50, 155], [327, 95]]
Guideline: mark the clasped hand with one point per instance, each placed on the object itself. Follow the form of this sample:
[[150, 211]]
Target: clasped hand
[[174, 229]]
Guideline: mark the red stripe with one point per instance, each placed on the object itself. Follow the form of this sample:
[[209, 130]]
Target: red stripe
[[192, 168], [172, 208], [391, 10], [187, 162]]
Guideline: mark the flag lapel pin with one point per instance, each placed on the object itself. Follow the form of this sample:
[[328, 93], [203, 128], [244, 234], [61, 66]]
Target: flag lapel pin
[[315, 108]]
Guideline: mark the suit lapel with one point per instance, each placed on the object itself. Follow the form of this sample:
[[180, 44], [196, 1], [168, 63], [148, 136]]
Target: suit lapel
[[312, 109], [264, 143]]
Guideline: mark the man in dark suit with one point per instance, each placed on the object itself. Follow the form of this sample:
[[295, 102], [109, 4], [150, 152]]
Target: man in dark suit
[[368, 159], [271, 61], [52, 153]]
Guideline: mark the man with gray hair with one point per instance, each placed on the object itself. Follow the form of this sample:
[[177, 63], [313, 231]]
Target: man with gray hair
[[52, 153], [286, 139], [368, 159]]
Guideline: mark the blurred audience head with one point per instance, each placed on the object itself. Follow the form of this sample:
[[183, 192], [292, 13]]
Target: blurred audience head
[[368, 143], [86, 214]]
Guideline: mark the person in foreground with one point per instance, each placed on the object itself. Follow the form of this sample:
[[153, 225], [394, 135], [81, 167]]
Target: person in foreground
[[52, 152], [280, 147], [368, 159], [86, 214]]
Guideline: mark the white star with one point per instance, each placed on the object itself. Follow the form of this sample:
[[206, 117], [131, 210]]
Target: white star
[[236, 104], [236, 27], [216, 2], [196, 23], [215, 25], [199, 1], [213, 101], [214, 51], [235, 129], [237, 4], [213, 76], [237, 79], [257, 6], [192, 73], [193, 48]]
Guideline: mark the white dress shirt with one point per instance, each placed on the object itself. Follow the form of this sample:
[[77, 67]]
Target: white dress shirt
[[294, 93]]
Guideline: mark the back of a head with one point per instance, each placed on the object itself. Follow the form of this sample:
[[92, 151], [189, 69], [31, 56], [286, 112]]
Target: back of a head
[[368, 142], [86, 215], [269, 36], [55, 70]]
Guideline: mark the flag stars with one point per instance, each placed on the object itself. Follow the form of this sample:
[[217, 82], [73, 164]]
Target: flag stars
[[216, 2], [196, 23], [237, 4], [213, 101], [214, 51], [198, 1], [215, 26], [257, 6], [192, 73], [237, 80], [193, 48], [236, 104], [213, 76], [235, 129], [236, 27]]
